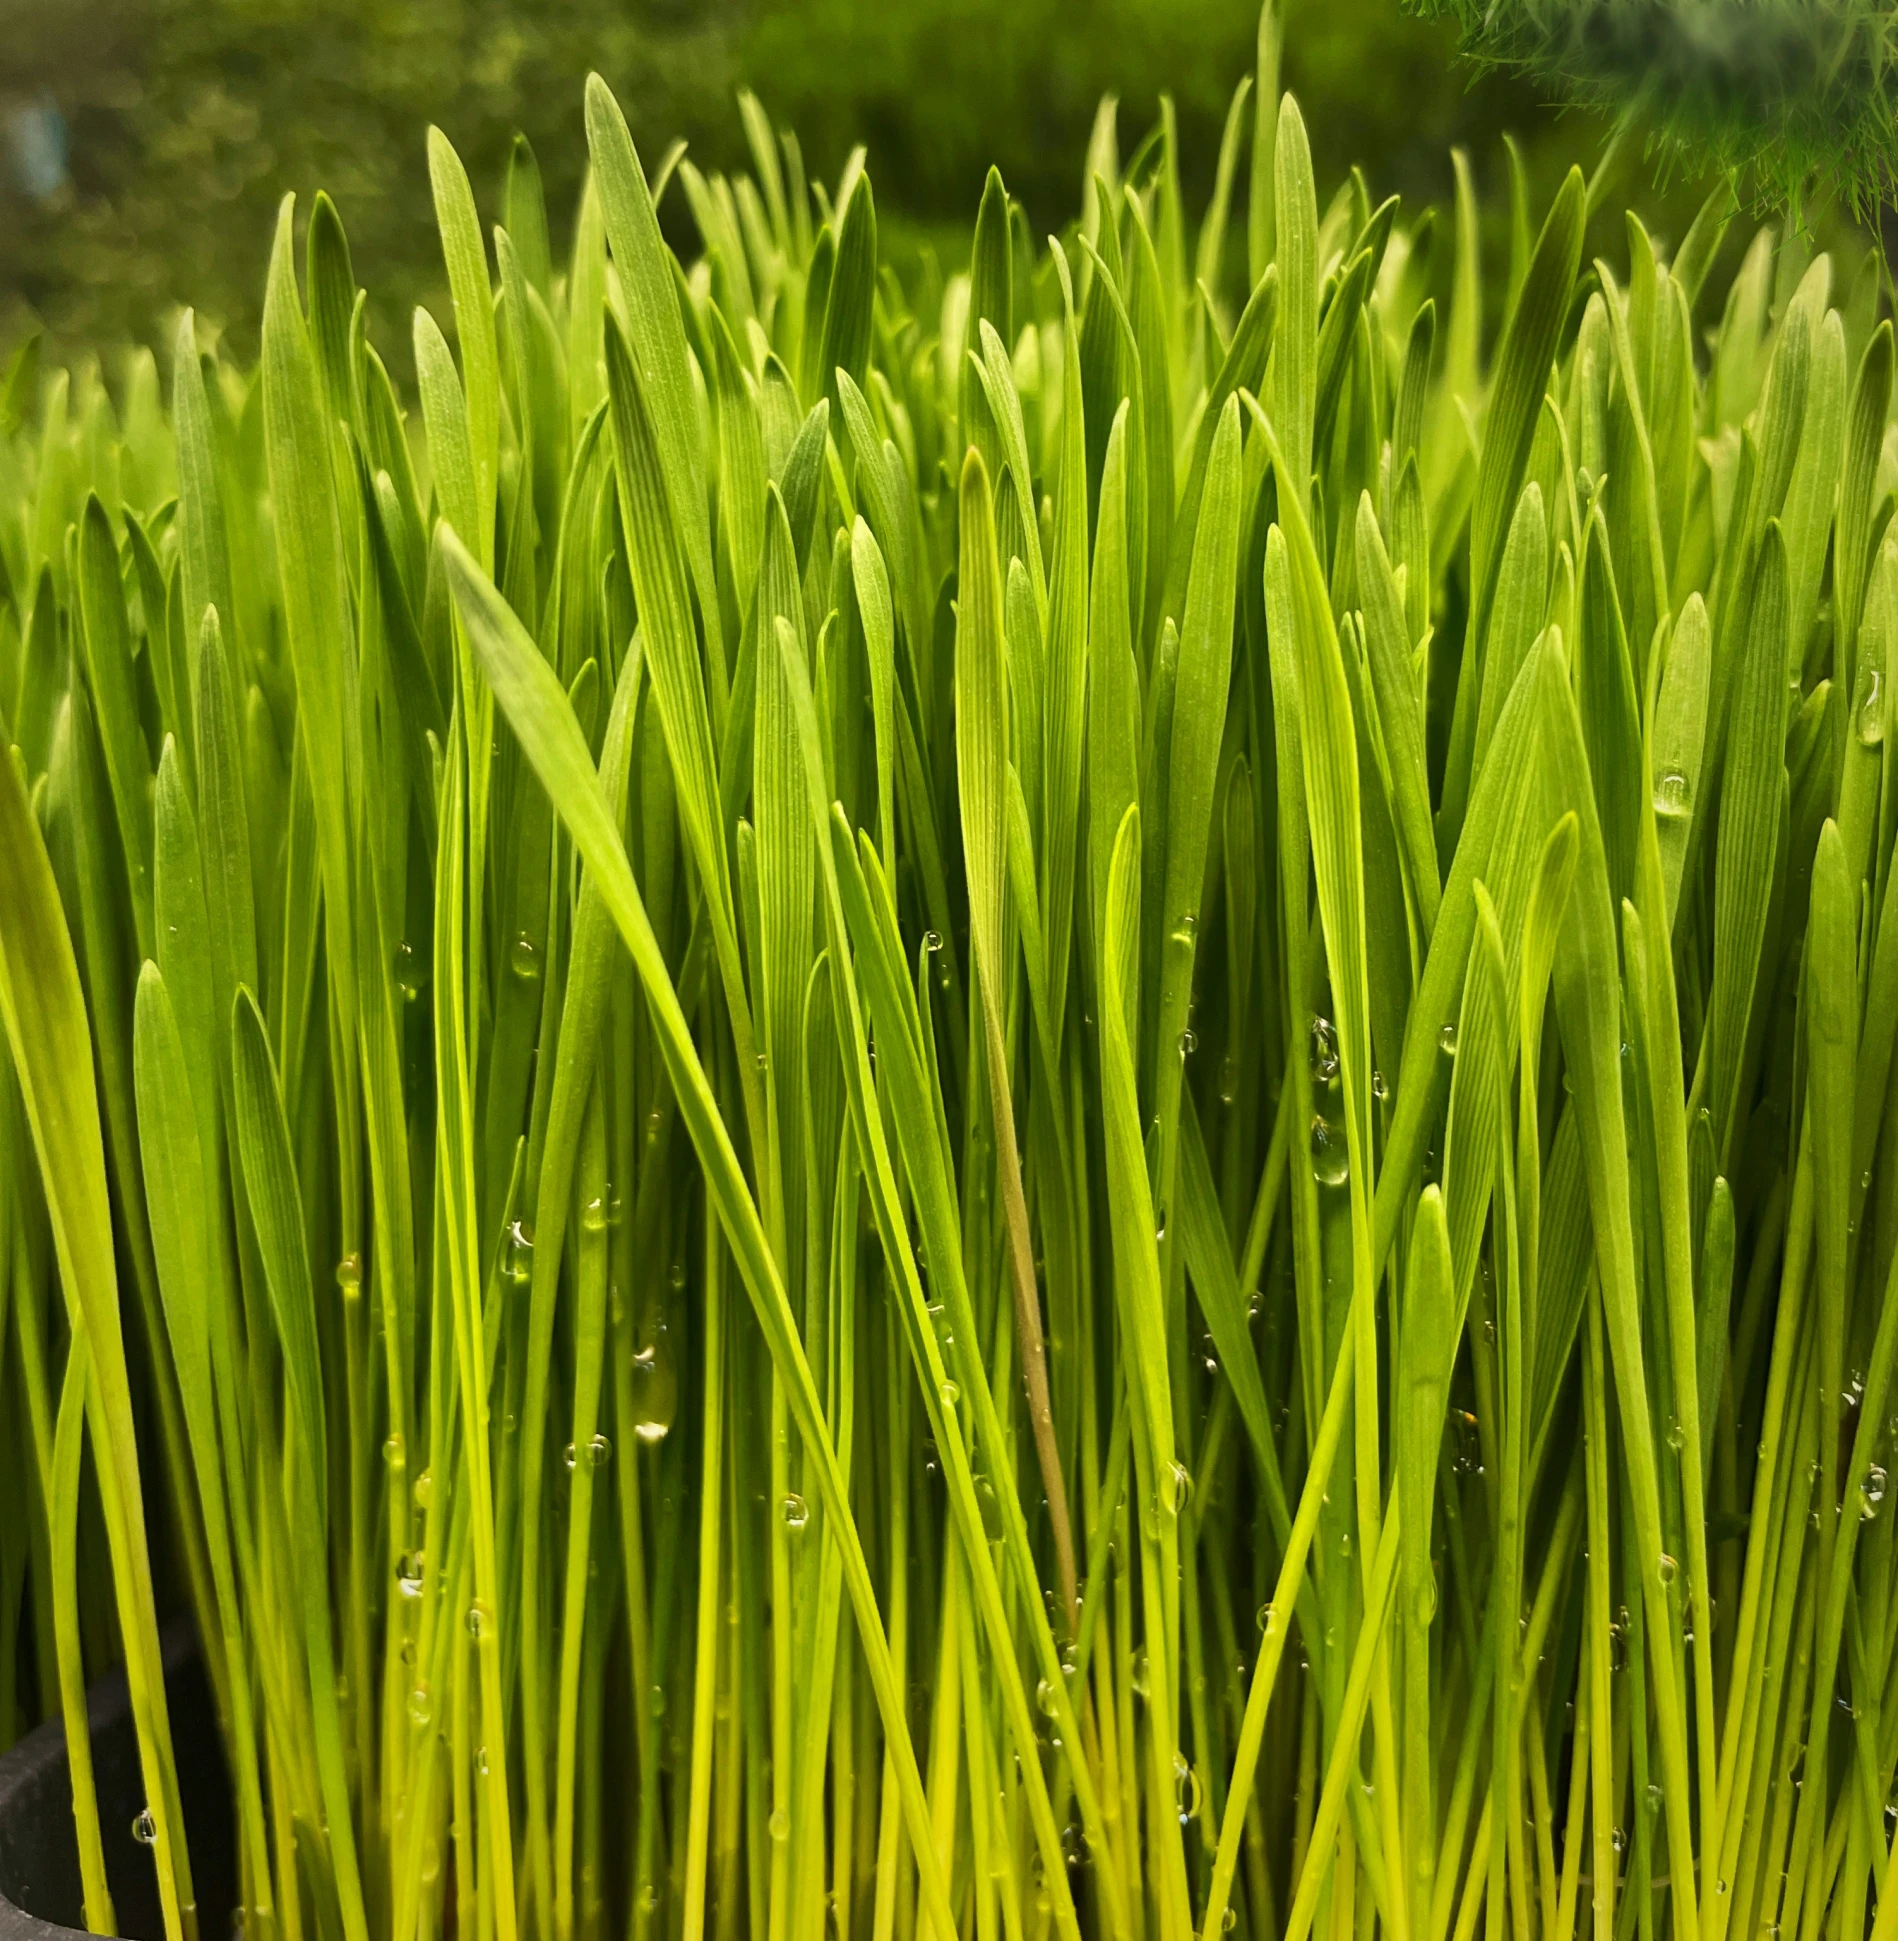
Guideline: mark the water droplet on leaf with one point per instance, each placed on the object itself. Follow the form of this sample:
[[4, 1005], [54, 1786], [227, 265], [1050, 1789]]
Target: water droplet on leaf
[[1868, 709], [1324, 1052], [1330, 1152], [1673, 796]]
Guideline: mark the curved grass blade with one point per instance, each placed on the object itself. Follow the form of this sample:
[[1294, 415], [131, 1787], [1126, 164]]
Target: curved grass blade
[[530, 697]]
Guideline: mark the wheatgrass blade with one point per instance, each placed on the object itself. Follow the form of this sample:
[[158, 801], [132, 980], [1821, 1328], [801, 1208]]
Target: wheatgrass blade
[[41, 1001], [539, 714]]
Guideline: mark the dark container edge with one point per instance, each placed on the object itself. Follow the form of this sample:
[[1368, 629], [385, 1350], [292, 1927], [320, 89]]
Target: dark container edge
[[39, 1866]]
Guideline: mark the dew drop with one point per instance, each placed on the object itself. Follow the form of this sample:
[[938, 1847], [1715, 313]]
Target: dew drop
[[951, 1394], [1668, 1569], [1446, 1041], [1673, 796], [1330, 1152], [409, 1569], [1324, 1051], [145, 1828], [524, 958], [797, 1512], [1868, 711], [1268, 1620], [421, 1705], [349, 1274], [989, 1507], [1871, 1492], [779, 1823], [520, 1252], [655, 1388], [480, 1620], [405, 970]]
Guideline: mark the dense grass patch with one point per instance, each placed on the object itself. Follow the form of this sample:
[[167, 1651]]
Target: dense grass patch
[[1058, 1104]]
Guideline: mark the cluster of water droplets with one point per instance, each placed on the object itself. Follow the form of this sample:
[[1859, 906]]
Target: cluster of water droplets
[[407, 971], [1871, 1492], [601, 1211], [1330, 1150], [655, 1383], [1467, 1448]]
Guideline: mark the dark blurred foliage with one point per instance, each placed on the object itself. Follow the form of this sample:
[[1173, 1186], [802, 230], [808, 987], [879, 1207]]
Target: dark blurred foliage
[[145, 144], [1797, 99]]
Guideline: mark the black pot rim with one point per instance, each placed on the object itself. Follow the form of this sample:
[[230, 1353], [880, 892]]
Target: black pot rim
[[38, 1846]]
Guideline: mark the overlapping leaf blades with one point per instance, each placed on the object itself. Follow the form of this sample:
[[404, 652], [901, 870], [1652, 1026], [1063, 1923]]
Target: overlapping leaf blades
[[1265, 954]]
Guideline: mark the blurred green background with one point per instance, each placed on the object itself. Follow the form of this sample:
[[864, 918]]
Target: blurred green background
[[144, 144]]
